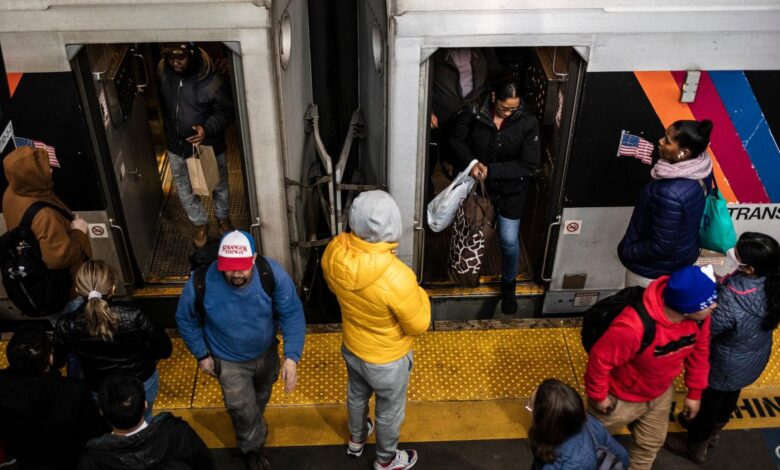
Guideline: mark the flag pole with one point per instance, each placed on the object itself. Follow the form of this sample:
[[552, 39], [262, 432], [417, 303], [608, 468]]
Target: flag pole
[[622, 133]]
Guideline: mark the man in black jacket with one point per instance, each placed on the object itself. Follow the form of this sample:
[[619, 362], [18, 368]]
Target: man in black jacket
[[167, 443], [45, 419], [197, 108]]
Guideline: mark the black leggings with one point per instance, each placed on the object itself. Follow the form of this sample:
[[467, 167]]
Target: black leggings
[[716, 408]]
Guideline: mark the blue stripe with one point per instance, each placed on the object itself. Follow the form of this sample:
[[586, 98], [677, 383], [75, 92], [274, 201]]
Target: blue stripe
[[750, 123]]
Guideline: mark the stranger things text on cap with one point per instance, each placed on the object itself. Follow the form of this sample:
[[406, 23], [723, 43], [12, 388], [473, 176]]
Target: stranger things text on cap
[[236, 252]]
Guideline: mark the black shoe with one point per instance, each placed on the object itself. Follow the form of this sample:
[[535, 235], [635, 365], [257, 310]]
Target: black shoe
[[257, 461], [508, 299]]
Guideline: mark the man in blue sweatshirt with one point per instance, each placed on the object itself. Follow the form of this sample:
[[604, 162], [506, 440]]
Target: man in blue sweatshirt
[[235, 340]]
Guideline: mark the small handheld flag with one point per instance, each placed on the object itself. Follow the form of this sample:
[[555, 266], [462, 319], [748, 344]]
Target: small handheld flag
[[635, 146], [25, 142]]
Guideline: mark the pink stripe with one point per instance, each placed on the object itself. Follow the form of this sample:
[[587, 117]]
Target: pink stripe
[[725, 142], [742, 292]]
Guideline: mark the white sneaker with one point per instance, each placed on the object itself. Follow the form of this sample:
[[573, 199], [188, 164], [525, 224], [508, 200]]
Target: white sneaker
[[403, 459], [355, 449]]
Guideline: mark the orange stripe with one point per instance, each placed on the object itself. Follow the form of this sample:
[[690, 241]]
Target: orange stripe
[[13, 81], [664, 95]]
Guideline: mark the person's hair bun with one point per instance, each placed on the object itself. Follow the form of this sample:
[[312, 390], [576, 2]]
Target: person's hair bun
[[704, 128]]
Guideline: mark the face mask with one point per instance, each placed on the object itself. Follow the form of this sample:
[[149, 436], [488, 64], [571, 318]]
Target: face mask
[[731, 256]]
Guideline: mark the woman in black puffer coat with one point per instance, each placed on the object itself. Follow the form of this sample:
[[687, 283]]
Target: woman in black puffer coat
[[106, 337], [741, 339], [663, 234], [505, 140]]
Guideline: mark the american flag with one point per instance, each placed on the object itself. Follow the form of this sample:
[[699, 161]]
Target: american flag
[[25, 142], [635, 146]]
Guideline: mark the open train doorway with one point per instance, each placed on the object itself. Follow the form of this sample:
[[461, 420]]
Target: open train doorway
[[549, 79], [128, 118]]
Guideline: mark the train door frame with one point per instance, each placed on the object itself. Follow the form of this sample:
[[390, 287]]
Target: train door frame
[[577, 66], [132, 271]]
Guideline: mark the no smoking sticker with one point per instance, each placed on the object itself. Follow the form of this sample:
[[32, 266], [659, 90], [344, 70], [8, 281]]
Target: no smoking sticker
[[572, 227], [97, 231]]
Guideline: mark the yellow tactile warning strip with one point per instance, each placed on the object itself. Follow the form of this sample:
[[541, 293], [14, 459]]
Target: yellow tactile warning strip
[[466, 384], [177, 378], [3, 358]]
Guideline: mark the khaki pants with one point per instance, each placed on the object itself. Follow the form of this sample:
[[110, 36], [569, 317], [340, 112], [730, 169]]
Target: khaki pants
[[648, 423]]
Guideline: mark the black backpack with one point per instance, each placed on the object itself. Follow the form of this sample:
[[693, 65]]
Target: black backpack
[[34, 288], [202, 259], [596, 319]]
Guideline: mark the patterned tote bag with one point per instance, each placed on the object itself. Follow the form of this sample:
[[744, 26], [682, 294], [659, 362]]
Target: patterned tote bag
[[475, 224]]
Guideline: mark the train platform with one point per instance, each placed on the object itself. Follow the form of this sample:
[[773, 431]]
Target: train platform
[[467, 394]]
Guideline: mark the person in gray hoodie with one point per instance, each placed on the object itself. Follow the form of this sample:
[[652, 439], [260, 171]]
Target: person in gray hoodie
[[741, 333]]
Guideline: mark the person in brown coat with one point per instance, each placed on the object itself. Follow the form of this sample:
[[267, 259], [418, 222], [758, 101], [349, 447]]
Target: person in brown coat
[[64, 244]]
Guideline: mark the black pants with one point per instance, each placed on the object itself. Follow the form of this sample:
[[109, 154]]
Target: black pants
[[716, 408]]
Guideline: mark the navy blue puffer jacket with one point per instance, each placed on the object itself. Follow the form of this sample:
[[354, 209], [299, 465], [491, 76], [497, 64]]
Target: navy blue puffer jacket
[[663, 234], [739, 348]]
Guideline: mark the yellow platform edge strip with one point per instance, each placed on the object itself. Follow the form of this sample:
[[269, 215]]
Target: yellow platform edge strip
[[314, 425]]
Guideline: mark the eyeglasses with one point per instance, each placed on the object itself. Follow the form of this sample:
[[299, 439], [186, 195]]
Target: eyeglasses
[[502, 109]]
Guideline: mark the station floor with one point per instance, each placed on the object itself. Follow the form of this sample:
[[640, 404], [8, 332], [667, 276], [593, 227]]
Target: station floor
[[466, 400]]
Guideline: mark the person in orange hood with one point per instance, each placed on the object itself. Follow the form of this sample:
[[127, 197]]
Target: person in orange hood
[[64, 244]]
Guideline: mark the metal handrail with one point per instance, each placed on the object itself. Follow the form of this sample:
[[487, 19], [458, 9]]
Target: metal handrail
[[547, 247], [335, 174], [313, 114]]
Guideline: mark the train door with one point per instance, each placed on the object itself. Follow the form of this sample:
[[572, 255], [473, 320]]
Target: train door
[[550, 77], [120, 89]]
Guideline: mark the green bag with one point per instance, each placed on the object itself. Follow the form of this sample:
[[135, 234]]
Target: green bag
[[716, 232]]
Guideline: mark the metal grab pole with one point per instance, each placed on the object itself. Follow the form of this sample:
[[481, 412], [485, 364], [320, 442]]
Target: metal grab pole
[[313, 114]]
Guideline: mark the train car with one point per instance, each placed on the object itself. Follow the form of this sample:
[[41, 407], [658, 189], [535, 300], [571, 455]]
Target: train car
[[592, 70], [82, 79]]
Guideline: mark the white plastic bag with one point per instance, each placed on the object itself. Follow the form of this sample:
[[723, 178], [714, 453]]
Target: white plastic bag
[[442, 209]]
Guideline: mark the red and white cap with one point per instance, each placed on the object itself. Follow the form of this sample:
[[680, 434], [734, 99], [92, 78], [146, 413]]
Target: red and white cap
[[236, 252]]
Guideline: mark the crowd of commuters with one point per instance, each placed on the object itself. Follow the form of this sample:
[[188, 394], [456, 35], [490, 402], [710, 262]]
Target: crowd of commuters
[[101, 416]]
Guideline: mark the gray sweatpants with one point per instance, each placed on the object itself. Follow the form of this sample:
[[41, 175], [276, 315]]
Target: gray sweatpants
[[246, 387], [389, 382]]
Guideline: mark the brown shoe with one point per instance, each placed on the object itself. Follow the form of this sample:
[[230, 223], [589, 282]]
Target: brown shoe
[[225, 225], [201, 235]]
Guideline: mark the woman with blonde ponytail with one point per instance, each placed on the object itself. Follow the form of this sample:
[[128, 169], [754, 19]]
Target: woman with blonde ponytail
[[105, 335]]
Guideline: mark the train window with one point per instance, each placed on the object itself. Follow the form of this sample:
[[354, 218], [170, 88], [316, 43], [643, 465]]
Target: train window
[[285, 40], [378, 47]]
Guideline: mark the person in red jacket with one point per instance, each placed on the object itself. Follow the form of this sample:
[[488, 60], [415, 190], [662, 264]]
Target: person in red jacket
[[628, 386]]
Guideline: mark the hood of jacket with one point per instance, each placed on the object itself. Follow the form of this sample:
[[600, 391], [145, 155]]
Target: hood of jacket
[[28, 172], [199, 69], [145, 449], [354, 264]]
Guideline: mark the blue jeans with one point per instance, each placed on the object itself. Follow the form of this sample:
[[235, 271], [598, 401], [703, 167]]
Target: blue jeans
[[151, 387], [509, 238], [189, 201]]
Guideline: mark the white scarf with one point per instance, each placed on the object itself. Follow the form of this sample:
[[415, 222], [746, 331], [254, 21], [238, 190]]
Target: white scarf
[[692, 169]]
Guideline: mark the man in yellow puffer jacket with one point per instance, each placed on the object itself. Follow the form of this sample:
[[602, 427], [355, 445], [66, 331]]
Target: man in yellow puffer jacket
[[382, 309]]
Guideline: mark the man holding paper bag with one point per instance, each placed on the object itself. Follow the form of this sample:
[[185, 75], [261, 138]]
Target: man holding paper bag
[[197, 107]]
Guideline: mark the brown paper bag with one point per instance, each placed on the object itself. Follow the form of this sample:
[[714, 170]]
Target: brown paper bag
[[203, 170]]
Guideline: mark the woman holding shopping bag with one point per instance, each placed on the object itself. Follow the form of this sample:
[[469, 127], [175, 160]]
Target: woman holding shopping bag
[[505, 141]]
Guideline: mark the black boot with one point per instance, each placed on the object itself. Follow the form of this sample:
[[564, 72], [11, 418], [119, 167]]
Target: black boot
[[508, 300], [715, 436]]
